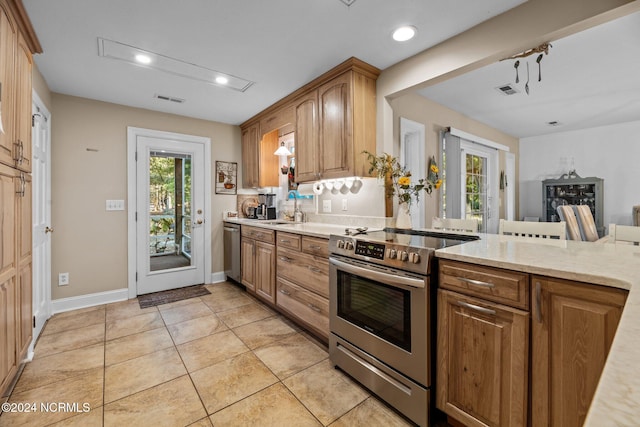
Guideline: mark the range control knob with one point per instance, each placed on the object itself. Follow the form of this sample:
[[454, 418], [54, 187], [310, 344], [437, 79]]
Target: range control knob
[[392, 254], [348, 245], [340, 244], [414, 257], [403, 256]]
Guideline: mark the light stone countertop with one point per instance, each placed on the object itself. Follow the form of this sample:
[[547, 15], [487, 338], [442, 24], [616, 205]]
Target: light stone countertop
[[617, 398], [314, 229]]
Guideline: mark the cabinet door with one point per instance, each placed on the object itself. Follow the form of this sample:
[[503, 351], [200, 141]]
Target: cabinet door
[[8, 360], [336, 128], [24, 283], [7, 69], [307, 160], [250, 156], [482, 361], [248, 263], [269, 169], [23, 105], [265, 278], [573, 325]]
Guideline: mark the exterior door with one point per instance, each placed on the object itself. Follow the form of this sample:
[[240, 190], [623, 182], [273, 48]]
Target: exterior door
[[479, 185], [170, 210], [41, 143]]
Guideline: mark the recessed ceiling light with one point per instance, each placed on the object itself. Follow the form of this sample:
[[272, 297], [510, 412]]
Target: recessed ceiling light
[[155, 61], [402, 34], [143, 59]]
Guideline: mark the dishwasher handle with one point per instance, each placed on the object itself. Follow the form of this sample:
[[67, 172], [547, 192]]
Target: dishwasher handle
[[233, 230]]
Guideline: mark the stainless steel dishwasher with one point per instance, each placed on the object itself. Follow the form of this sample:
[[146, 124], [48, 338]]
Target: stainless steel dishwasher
[[232, 251]]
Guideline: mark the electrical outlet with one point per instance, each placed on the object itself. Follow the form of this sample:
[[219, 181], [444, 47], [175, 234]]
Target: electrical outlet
[[344, 204], [326, 206], [63, 279]]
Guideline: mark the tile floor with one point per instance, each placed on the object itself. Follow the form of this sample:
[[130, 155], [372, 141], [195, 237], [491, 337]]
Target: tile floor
[[222, 359]]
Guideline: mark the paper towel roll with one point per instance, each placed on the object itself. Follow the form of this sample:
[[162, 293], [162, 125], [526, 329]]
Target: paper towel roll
[[305, 189], [317, 188]]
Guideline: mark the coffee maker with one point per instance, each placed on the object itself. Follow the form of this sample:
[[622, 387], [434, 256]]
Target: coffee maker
[[266, 206]]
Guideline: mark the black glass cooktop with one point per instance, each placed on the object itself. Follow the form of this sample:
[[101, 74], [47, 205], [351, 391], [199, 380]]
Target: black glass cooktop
[[416, 238]]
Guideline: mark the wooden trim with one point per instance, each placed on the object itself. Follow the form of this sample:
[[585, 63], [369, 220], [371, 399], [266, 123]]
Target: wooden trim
[[352, 63], [24, 24]]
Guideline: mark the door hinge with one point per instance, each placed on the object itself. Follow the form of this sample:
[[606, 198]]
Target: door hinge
[[136, 156], [136, 216], [136, 276], [34, 321]]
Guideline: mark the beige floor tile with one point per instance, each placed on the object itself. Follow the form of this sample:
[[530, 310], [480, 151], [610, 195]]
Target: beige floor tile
[[225, 287], [174, 403], [79, 390], [372, 413], [168, 306], [196, 328], [136, 345], [205, 422], [218, 303], [290, 355], [60, 366], [185, 312], [274, 406], [69, 340], [88, 419], [132, 376], [264, 332], [245, 314], [231, 380], [211, 349], [310, 387], [126, 309], [132, 325], [74, 319]]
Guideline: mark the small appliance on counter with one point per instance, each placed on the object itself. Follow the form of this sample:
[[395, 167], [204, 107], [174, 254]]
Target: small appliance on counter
[[266, 206]]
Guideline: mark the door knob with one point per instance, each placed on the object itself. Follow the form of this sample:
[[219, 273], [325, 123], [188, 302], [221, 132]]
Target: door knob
[[199, 221], [48, 230]]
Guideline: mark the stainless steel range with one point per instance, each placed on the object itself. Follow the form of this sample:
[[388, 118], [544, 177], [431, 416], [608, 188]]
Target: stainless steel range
[[382, 313]]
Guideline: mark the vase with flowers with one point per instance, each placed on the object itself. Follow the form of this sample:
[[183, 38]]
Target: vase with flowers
[[398, 182]]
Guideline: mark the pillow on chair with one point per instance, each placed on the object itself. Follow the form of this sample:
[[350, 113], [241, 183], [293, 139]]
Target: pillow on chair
[[586, 222], [567, 215]]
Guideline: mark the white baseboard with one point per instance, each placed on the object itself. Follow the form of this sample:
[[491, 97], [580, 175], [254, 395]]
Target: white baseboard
[[89, 300], [218, 277]]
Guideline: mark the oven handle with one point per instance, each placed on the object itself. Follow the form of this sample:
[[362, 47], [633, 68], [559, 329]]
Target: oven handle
[[377, 275]]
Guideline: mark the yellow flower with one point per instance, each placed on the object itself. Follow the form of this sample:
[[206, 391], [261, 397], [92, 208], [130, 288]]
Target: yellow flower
[[438, 183], [404, 180], [434, 168]]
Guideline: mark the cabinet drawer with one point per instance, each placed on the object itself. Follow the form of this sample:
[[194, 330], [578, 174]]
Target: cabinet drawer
[[257, 233], [315, 246], [288, 240], [306, 306], [493, 284], [305, 270]]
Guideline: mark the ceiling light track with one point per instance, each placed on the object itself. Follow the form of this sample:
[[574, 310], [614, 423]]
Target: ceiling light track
[[143, 58]]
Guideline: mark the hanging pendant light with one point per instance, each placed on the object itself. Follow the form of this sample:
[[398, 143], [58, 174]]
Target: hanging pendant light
[[282, 150]]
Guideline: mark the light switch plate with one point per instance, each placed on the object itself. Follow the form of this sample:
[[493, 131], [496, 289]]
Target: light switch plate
[[344, 204], [115, 205], [326, 206]]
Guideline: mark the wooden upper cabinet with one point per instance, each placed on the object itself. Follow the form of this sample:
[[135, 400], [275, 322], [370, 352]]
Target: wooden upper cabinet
[[23, 105], [8, 43], [250, 156], [269, 167], [306, 137], [572, 328], [336, 128], [335, 121]]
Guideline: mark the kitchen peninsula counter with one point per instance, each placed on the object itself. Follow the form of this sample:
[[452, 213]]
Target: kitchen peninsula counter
[[617, 397], [314, 229]]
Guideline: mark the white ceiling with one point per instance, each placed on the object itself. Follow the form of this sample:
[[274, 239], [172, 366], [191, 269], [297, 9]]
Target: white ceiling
[[589, 79], [278, 44]]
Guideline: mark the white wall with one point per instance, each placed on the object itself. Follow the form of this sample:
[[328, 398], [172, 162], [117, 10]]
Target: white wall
[[608, 152]]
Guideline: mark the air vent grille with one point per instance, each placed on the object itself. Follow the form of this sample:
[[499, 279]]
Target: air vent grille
[[507, 89], [169, 98]]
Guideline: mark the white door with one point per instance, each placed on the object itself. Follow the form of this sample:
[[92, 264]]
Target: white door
[[412, 156], [479, 185], [510, 186], [41, 143], [171, 213]]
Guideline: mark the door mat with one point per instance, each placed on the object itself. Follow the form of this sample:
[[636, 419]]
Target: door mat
[[172, 295]]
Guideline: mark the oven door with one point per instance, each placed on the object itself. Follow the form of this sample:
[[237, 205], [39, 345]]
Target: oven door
[[384, 312]]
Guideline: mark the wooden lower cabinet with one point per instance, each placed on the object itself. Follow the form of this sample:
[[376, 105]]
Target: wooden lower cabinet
[[248, 264], [265, 269], [8, 359], [482, 361], [572, 327]]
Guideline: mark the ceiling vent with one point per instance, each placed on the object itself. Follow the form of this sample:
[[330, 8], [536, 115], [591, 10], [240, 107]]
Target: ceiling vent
[[169, 98], [507, 89]]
